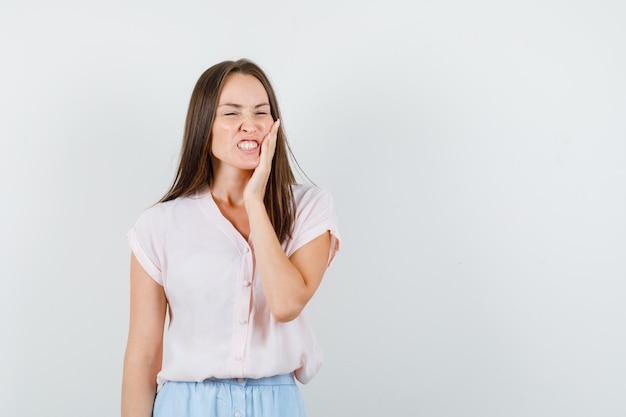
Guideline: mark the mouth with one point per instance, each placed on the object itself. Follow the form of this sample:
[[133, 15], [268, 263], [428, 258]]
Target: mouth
[[248, 145]]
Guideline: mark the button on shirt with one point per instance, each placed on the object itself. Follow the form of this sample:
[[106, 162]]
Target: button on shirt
[[220, 324]]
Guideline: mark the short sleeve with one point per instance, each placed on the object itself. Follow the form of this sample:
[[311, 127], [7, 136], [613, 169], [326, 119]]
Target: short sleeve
[[147, 246], [315, 214]]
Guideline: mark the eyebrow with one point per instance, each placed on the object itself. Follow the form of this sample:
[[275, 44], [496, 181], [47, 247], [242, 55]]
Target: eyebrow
[[238, 106]]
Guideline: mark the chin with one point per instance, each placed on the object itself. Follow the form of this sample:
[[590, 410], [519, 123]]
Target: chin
[[250, 166]]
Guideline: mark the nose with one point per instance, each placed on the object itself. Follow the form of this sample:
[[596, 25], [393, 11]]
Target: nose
[[247, 124]]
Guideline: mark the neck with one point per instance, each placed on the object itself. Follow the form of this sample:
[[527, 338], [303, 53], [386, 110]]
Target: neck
[[228, 185]]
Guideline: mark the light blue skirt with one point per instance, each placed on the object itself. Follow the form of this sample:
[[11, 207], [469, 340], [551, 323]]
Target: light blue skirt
[[276, 396]]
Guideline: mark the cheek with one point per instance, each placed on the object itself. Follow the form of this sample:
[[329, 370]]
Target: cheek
[[221, 130], [219, 135], [221, 126], [267, 125]]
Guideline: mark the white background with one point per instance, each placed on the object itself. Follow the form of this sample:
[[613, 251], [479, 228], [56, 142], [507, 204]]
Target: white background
[[476, 152]]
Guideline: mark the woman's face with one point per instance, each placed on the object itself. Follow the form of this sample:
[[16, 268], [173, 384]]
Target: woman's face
[[243, 118]]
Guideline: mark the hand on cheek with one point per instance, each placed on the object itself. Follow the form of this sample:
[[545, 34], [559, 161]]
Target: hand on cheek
[[255, 189]]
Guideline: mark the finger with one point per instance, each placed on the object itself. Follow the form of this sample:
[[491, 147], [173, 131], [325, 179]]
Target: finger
[[269, 141], [273, 130], [275, 126]]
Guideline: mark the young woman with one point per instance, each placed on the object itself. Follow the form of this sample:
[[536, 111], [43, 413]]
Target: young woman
[[234, 251]]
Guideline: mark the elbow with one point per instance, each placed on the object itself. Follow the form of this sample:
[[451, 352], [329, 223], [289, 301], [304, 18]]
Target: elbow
[[286, 312], [285, 317]]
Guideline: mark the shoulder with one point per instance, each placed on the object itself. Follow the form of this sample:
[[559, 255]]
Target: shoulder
[[156, 211], [315, 214], [309, 194], [313, 203], [161, 212]]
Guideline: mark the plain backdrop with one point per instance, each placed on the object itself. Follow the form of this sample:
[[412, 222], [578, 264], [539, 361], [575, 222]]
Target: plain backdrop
[[476, 152]]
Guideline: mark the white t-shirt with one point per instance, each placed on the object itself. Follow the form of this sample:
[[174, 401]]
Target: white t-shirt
[[220, 323]]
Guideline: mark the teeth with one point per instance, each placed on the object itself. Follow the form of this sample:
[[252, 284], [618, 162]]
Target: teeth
[[247, 145]]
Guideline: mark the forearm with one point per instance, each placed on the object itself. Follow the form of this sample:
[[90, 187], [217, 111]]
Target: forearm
[[138, 389], [284, 286]]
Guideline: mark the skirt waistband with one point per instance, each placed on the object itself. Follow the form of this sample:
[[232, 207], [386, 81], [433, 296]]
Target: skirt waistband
[[286, 379]]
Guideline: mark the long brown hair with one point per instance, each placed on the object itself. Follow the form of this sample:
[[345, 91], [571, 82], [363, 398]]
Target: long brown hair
[[195, 169]]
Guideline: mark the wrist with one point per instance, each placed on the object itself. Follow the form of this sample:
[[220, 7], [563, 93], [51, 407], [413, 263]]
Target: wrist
[[254, 205]]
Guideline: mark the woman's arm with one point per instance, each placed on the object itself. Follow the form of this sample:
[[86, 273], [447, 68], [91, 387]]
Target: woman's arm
[[144, 351], [288, 283]]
